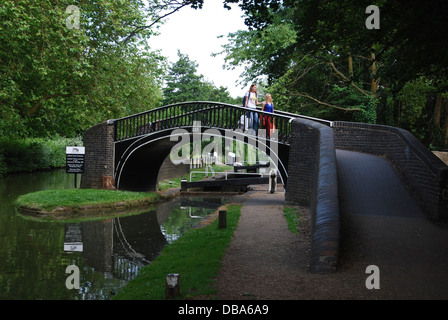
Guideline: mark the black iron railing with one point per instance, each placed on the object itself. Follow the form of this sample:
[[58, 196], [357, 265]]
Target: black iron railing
[[210, 115]]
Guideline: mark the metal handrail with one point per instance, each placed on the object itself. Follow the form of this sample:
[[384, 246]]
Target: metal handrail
[[211, 114]]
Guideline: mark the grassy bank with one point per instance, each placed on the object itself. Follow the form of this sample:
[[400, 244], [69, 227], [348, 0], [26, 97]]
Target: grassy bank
[[196, 256], [61, 203], [48, 200]]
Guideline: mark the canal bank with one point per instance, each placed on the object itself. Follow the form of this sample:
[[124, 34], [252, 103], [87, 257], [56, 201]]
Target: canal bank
[[195, 258], [264, 260]]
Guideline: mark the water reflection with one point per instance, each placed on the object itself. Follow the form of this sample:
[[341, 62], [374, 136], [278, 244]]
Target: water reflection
[[119, 247], [34, 255]]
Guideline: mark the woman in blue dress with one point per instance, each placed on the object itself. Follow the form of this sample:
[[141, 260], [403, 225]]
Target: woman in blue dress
[[268, 121]]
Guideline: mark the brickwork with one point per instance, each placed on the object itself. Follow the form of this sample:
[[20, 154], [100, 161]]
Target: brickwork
[[169, 170], [312, 181], [424, 173], [304, 164], [99, 157]]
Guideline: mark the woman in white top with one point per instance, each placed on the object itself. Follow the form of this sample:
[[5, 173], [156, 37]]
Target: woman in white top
[[251, 102]]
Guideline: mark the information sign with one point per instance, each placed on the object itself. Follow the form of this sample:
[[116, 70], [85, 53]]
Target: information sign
[[74, 159]]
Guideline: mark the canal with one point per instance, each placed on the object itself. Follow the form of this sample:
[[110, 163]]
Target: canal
[[35, 254]]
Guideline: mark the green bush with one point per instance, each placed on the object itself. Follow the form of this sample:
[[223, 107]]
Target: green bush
[[27, 155], [15, 154]]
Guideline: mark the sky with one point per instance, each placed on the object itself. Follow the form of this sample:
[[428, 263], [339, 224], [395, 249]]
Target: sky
[[195, 32]]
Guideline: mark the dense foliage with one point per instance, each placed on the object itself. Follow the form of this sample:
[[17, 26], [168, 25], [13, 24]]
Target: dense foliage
[[67, 65], [320, 59], [30, 154], [61, 73]]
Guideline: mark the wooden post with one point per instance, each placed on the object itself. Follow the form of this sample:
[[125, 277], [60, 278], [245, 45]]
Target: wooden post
[[222, 222], [172, 285]]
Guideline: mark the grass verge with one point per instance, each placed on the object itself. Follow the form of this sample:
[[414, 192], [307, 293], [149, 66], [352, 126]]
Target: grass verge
[[292, 217], [74, 198], [196, 256]]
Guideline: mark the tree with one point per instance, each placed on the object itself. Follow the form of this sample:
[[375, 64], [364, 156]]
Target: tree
[[184, 84], [297, 76], [258, 51], [57, 79], [337, 68]]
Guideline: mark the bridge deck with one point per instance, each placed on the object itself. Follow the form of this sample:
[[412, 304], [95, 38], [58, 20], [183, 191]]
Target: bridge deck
[[382, 225], [368, 185]]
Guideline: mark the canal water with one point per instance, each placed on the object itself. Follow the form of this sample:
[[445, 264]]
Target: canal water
[[35, 255]]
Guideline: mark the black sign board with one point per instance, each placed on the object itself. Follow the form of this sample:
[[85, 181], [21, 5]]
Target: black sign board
[[74, 159]]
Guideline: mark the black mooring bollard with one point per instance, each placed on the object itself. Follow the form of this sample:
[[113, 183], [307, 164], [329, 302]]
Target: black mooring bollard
[[222, 219], [273, 181], [183, 185]]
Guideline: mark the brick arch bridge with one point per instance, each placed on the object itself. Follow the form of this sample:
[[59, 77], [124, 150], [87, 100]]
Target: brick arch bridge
[[318, 160]]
